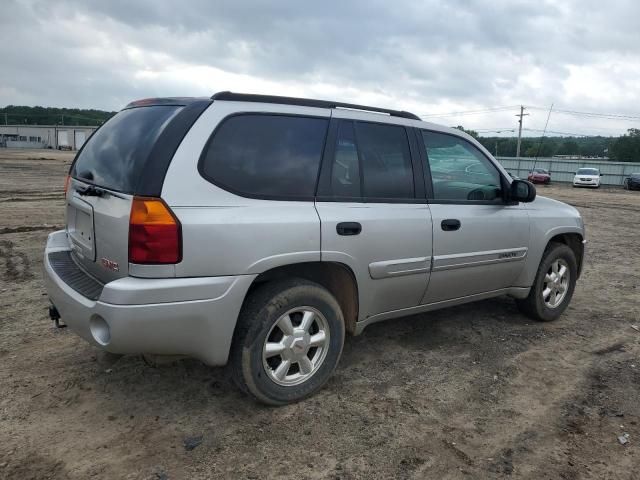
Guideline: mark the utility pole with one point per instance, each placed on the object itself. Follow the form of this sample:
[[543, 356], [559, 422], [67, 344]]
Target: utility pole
[[63, 120], [521, 114]]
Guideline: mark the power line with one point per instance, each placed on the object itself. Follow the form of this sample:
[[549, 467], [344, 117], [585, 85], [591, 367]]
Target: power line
[[469, 112], [495, 130], [544, 132], [561, 133], [610, 116]]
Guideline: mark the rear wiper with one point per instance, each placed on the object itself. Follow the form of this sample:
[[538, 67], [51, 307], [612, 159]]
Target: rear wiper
[[91, 191]]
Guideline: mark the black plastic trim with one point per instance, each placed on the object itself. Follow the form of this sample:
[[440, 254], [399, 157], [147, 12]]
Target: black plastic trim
[[307, 102], [174, 101], [157, 163], [70, 273], [420, 187], [324, 177], [281, 198], [326, 198]]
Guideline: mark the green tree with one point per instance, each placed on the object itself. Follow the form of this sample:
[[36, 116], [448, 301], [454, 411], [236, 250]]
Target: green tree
[[23, 115], [627, 147], [568, 147], [473, 133]]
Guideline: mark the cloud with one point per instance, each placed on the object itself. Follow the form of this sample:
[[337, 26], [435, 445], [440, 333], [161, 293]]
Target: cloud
[[427, 57]]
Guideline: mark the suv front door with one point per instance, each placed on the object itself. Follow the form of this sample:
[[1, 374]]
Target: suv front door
[[479, 241], [372, 218]]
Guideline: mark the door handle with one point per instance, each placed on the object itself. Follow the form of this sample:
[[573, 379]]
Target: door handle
[[348, 228], [450, 224]]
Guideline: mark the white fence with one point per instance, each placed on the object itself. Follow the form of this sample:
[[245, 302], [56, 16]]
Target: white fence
[[613, 173]]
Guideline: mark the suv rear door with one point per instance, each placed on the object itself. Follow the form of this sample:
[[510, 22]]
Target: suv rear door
[[371, 217], [118, 161]]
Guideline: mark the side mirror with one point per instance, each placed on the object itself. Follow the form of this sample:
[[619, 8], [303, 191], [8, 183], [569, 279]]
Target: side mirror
[[522, 191]]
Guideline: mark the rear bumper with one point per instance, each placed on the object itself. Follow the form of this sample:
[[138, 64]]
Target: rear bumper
[[169, 316]]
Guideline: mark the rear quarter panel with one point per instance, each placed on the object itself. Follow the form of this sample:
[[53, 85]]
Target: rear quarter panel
[[227, 234]]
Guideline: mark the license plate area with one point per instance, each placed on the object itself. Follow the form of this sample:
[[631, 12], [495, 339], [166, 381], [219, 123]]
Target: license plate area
[[80, 228]]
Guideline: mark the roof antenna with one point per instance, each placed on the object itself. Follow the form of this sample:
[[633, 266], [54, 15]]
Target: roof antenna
[[542, 139]]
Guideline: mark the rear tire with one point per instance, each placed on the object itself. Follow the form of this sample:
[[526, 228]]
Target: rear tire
[[553, 286], [288, 341]]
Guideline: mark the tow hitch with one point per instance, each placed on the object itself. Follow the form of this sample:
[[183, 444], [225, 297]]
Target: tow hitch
[[55, 316]]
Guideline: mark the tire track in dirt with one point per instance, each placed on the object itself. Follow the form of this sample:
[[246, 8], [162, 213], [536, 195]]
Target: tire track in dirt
[[17, 266], [28, 228]]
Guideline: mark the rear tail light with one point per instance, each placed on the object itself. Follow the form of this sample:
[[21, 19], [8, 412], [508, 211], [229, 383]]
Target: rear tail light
[[154, 232], [66, 184]]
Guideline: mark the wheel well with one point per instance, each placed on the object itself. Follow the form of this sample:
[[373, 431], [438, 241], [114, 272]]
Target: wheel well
[[573, 241], [335, 277]]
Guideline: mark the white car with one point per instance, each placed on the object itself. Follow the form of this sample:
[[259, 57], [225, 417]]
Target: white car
[[587, 177]]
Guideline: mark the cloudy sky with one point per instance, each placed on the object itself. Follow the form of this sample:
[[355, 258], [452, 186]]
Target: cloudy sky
[[430, 57]]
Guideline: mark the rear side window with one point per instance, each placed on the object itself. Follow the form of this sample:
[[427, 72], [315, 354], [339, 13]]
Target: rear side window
[[268, 156], [115, 155], [345, 169], [386, 161], [371, 160]]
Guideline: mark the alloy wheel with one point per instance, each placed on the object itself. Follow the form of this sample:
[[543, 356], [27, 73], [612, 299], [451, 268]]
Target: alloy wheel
[[556, 283], [296, 346]]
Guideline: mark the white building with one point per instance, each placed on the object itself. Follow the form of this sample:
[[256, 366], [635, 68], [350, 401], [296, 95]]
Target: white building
[[59, 137]]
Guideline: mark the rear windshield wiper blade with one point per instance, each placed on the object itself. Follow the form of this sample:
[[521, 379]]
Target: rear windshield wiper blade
[[91, 191]]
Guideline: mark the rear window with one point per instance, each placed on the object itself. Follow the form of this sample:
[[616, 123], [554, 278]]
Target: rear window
[[115, 156], [268, 156]]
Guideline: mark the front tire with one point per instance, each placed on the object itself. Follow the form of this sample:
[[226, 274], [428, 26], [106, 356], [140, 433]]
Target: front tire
[[553, 286], [288, 341]]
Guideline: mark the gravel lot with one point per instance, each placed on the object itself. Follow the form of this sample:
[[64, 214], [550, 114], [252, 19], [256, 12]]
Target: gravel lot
[[476, 391]]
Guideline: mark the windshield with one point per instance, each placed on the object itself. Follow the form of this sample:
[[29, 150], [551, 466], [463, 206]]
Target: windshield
[[115, 155], [588, 171]]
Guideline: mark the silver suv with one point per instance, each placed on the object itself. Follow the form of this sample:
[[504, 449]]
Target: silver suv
[[257, 230]]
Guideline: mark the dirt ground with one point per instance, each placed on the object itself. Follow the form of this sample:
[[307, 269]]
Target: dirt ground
[[476, 391]]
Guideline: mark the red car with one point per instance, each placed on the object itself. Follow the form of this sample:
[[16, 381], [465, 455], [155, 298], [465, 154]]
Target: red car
[[539, 175]]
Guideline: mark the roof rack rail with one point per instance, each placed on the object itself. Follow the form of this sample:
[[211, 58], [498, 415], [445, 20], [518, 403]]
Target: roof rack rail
[[307, 102]]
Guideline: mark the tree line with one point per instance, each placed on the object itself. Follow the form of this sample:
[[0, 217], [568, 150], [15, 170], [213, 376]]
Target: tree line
[[22, 115], [625, 148]]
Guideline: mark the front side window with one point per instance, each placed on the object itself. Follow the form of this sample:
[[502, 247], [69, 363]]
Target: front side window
[[270, 156], [459, 171]]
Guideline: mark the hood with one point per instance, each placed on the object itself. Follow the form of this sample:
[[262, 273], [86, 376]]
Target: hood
[[553, 206], [580, 175]]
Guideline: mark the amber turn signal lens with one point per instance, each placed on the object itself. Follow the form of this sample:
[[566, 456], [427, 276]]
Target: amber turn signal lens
[[154, 232], [66, 184]]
